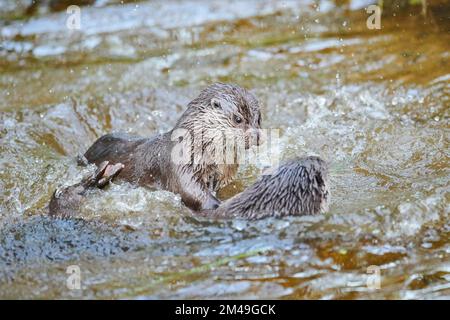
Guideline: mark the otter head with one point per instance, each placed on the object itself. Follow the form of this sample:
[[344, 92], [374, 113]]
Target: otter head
[[297, 187], [236, 113], [221, 121], [227, 108]]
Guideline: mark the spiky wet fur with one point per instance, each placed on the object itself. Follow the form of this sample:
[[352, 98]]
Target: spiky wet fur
[[297, 187]]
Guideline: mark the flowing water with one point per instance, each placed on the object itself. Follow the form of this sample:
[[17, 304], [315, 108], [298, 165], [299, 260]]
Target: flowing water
[[374, 103]]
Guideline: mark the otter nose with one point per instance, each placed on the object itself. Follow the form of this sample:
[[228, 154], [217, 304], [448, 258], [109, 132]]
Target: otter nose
[[259, 136]]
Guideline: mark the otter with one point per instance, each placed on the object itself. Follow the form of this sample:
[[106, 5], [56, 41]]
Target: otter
[[219, 109], [297, 187]]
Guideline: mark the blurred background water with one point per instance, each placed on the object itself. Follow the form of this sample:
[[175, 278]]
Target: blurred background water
[[374, 103]]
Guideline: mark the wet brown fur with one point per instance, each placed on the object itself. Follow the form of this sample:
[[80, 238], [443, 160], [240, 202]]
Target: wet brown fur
[[148, 161]]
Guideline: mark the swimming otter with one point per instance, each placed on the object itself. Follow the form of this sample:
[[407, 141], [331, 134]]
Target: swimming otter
[[219, 110], [297, 187]]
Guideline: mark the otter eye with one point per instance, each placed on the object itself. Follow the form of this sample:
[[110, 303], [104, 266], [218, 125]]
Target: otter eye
[[237, 119]]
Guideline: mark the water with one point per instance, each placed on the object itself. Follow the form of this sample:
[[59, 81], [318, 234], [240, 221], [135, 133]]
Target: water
[[374, 103]]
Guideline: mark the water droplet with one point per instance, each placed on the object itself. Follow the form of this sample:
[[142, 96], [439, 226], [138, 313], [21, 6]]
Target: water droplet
[[239, 225]]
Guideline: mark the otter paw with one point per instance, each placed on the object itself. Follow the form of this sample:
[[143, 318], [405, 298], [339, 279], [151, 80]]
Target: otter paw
[[100, 171], [108, 173]]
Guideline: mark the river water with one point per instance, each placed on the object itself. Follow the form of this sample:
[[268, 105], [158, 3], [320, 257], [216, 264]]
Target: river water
[[374, 103]]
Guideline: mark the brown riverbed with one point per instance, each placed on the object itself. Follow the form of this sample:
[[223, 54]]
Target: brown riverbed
[[374, 103]]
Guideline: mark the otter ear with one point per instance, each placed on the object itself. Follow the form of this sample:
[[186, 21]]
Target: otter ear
[[215, 103]]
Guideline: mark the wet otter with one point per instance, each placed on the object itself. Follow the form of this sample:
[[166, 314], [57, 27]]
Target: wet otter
[[297, 187], [220, 108]]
